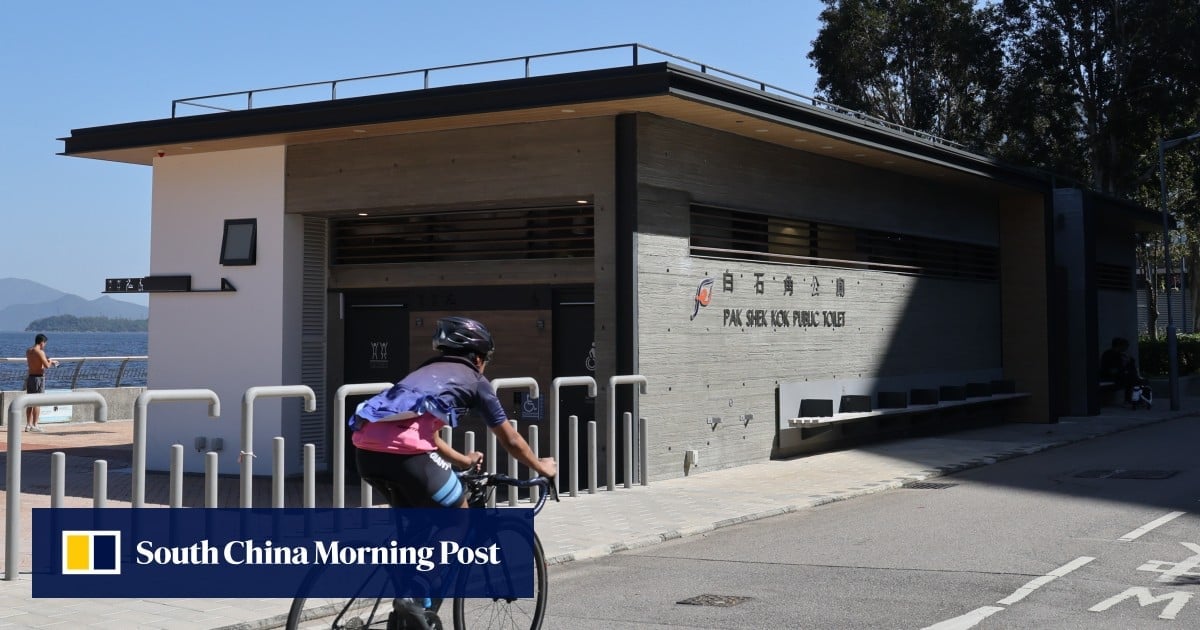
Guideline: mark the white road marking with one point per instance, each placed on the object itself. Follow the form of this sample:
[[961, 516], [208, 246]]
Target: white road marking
[[1162, 520], [1172, 571], [969, 620], [1039, 582], [972, 619], [1176, 599]]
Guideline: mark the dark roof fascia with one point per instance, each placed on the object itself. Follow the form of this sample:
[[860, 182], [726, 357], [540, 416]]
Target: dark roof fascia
[[476, 98], [687, 83], [1109, 206]]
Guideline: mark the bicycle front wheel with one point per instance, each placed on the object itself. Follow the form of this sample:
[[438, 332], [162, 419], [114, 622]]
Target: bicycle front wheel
[[507, 614], [368, 609]]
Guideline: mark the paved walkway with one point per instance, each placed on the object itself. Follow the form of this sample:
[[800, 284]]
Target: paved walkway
[[587, 526]]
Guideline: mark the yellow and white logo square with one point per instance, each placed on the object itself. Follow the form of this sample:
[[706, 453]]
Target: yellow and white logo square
[[86, 552]]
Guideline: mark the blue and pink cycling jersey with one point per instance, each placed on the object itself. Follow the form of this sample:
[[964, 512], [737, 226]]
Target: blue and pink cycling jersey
[[404, 419]]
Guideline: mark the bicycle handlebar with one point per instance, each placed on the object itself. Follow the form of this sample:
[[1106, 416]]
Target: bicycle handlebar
[[501, 479]]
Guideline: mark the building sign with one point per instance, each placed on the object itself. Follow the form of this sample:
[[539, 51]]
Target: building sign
[[801, 316]]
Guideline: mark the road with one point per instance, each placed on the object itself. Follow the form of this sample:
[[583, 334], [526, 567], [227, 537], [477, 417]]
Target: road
[[1102, 534]]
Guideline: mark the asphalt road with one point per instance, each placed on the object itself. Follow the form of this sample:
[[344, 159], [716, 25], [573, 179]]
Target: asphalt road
[[1102, 534]]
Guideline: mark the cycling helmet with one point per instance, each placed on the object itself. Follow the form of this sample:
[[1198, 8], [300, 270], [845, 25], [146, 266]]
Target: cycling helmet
[[462, 335]]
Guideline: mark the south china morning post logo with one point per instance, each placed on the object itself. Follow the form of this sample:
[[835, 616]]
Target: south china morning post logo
[[91, 552], [225, 552]]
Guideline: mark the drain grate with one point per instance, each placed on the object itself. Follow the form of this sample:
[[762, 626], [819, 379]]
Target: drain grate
[[722, 601], [929, 485], [1119, 473]]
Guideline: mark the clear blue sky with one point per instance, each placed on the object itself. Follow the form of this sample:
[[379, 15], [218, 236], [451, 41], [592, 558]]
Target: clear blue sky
[[71, 222]]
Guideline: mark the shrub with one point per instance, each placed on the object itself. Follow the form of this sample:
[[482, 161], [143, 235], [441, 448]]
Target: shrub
[[1152, 355]]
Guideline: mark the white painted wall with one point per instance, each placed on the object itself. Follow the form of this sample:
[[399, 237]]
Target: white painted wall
[[224, 341]]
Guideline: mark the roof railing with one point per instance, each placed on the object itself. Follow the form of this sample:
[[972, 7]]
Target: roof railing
[[636, 57]]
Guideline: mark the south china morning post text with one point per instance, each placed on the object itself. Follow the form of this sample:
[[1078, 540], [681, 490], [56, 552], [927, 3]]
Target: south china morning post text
[[205, 552]]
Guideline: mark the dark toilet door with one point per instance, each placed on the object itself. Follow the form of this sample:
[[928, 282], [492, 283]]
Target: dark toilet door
[[376, 352], [574, 355]]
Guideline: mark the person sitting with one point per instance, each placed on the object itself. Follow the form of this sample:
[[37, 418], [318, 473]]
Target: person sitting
[[1118, 367]]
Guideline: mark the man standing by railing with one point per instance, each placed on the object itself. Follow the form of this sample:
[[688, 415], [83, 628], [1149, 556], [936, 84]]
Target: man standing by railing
[[35, 383]]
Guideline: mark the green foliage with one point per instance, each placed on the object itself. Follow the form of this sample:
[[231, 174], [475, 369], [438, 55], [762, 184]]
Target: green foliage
[[71, 323], [1152, 355]]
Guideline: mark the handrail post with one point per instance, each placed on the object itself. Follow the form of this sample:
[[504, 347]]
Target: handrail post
[[16, 422], [121, 371], [626, 379], [339, 434], [141, 409], [555, 438], [247, 456], [75, 374]]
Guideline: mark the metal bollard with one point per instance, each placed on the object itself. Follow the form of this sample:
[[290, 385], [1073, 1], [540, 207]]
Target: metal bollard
[[468, 441], [512, 472], [645, 454], [277, 472], [58, 478], [247, 449], [591, 457], [447, 434], [211, 465], [366, 497], [627, 424], [100, 483], [573, 447], [176, 475], [534, 491], [627, 379], [490, 465], [310, 475]]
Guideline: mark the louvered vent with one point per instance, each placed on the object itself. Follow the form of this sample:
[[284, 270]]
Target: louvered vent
[[510, 234], [733, 234], [314, 426]]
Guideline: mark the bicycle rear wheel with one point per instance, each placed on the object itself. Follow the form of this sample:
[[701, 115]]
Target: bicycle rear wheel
[[507, 614]]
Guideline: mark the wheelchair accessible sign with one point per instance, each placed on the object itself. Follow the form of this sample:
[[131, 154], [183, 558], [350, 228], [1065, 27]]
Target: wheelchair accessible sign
[[208, 552]]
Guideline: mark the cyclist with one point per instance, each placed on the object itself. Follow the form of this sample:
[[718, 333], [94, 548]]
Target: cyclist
[[398, 448]]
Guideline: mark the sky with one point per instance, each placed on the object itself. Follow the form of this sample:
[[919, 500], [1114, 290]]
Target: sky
[[69, 222]]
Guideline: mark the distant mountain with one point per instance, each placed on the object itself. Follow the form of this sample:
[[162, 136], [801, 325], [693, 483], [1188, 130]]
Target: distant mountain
[[17, 291], [16, 313]]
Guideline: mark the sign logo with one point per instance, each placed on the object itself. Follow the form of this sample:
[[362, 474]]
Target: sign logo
[[91, 552], [703, 296]]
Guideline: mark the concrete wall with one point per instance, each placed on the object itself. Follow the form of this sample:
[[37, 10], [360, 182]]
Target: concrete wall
[[120, 403], [887, 324], [224, 341]]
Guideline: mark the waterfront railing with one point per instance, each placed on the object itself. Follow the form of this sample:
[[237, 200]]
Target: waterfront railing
[[78, 372]]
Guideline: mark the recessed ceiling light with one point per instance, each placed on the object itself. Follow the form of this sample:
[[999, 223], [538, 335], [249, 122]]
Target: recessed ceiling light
[[581, 201], [360, 131], [801, 139], [827, 146], [185, 148], [362, 214], [568, 111], [761, 130]]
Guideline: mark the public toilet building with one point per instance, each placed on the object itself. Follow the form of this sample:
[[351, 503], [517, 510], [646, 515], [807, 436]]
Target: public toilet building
[[747, 251]]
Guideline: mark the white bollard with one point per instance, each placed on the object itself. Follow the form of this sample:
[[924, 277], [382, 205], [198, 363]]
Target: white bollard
[[277, 472], [645, 454], [211, 465], [591, 457], [627, 443], [534, 491], [58, 474], [573, 447], [176, 475], [310, 475], [512, 472], [100, 483]]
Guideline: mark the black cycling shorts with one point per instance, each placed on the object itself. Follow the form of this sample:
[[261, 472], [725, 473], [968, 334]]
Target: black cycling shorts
[[419, 481]]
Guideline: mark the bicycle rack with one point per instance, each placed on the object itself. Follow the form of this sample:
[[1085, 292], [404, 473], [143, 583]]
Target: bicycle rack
[[140, 411], [555, 385], [339, 436], [247, 456]]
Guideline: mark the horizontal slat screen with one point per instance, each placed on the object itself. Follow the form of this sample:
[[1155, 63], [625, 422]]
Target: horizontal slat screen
[[723, 233], [1114, 277], [509, 234]]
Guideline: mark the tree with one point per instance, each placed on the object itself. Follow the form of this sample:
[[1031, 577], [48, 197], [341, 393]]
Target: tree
[[929, 66]]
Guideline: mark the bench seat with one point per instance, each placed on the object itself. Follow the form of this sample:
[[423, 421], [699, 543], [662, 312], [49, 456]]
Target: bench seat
[[910, 410]]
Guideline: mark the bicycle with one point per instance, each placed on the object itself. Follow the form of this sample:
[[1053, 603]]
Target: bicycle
[[374, 610]]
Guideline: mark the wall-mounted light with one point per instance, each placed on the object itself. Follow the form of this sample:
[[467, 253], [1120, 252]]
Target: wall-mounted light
[[541, 324], [419, 322]]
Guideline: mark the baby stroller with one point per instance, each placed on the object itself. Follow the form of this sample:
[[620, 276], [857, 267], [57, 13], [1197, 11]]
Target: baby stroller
[[1140, 395]]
